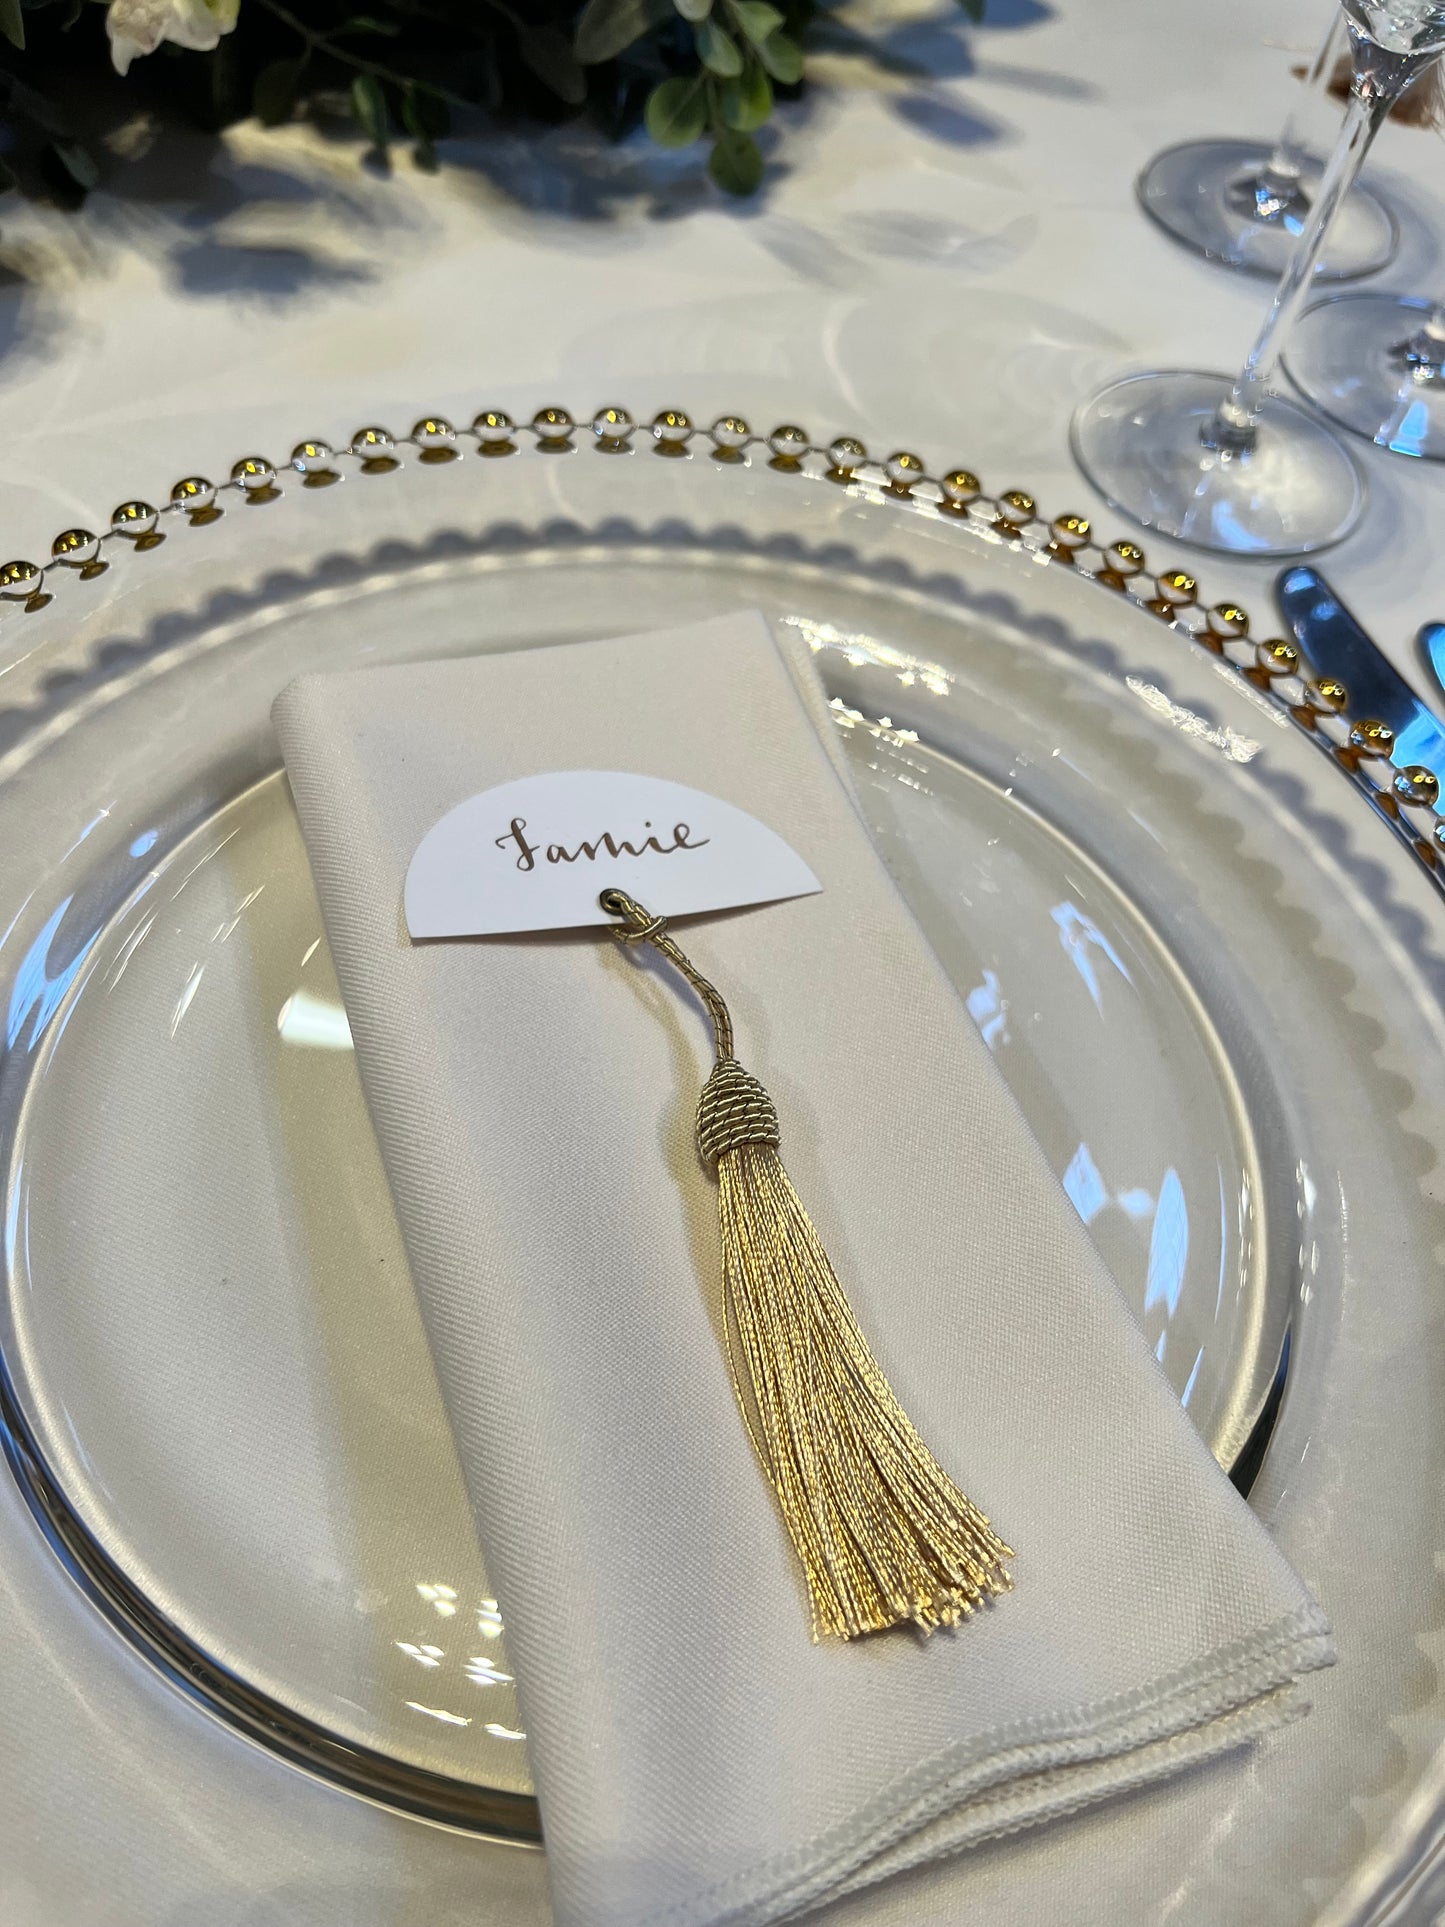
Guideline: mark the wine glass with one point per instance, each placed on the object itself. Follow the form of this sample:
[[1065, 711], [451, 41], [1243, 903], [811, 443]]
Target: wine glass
[[1226, 464], [1375, 363], [1242, 204]]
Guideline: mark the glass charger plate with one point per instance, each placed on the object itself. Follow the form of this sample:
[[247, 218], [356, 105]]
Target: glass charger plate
[[1207, 968]]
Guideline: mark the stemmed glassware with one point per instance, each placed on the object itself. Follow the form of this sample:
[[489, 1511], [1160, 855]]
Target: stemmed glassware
[[1375, 363], [1227, 464], [1243, 204]]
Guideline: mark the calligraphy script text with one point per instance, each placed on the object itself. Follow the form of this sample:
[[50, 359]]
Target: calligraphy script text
[[605, 844]]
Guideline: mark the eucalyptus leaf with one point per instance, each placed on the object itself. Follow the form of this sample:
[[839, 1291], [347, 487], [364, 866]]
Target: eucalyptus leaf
[[748, 101], [717, 50], [274, 92], [608, 26], [548, 52], [368, 105], [783, 58], [12, 22], [756, 19], [736, 163], [693, 10], [677, 110]]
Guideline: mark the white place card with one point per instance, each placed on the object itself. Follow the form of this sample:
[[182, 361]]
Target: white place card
[[535, 853]]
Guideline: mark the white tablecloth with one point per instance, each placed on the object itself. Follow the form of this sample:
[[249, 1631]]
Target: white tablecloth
[[944, 266]]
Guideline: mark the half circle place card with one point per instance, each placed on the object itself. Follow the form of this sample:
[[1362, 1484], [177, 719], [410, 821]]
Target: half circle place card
[[535, 853]]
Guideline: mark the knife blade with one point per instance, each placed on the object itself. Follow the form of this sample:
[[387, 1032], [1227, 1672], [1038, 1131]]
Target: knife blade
[[1431, 644], [1334, 644]]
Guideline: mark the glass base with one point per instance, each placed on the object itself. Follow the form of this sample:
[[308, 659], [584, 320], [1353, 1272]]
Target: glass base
[[1139, 441], [1202, 193], [1366, 361]]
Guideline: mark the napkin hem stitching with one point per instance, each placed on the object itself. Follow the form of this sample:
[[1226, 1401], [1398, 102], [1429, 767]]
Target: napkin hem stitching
[[1231, 1676]]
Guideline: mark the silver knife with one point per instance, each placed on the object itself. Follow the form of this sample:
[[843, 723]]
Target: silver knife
[[1334, 644], [1431, 644]]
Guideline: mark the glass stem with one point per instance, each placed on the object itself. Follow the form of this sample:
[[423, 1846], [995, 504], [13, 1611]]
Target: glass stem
[[1279, 178], [1236, 422]]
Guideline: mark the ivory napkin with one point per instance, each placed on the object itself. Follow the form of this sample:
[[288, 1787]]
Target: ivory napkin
[[697, 1760]]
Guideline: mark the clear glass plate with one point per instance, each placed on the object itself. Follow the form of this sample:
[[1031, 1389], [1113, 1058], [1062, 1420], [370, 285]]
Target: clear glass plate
[[1206, 968]]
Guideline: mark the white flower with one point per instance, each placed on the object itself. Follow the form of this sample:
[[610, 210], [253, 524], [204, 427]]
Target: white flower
[[139, 26]]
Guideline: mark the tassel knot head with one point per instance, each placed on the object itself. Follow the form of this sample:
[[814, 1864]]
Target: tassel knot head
[[733, 1110]]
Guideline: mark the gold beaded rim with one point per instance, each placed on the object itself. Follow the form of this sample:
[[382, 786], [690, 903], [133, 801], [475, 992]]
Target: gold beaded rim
[[1359, 746]]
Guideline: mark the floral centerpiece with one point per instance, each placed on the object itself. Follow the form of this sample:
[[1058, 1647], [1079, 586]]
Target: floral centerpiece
[[688, 70]]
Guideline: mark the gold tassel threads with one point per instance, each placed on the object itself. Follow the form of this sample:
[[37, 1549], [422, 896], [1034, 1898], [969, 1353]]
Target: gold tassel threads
[[883, 1533]]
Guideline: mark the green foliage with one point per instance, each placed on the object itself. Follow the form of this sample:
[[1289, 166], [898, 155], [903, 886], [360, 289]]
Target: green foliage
[[607, 28], [686, 70], [677, 111], [736, 163], [368, 107]]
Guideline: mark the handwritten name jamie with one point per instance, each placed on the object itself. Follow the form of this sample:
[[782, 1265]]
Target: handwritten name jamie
[[606, 843]]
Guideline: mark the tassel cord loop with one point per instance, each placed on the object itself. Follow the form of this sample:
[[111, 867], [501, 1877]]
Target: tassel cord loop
[[640, 926]]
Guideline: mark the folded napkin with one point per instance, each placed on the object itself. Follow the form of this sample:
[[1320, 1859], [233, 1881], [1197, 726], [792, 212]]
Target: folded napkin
[[697, 1760]]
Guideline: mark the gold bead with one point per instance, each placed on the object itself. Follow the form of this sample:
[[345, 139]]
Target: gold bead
[[960, 485], [671, 432], [193, 494], [19, 579], [1125, 558], [493, 430], [77, 547], [1278, 658], [1177, 587], [1371, 737], [255, 475], [372, 444], [1227, 620], [134, 519], [1416, 784], [730, 432], [433, 431], [1071, 531], [1330, 693], [903, 470], [553, 428], [789, 444], [1017, 506], [613, 425]]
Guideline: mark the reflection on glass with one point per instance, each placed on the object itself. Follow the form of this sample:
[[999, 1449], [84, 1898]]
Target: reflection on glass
[[1168, 1246], [423, 1655], [482, 1671], [1086, 1189], [1193, 1374], [1078, 934], [989, 1010], [36, 992], [440, 1713]]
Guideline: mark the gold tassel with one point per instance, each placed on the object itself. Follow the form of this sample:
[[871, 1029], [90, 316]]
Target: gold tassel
[[883, 1533]]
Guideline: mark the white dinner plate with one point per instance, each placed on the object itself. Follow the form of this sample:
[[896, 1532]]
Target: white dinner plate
[[1206, 964]]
